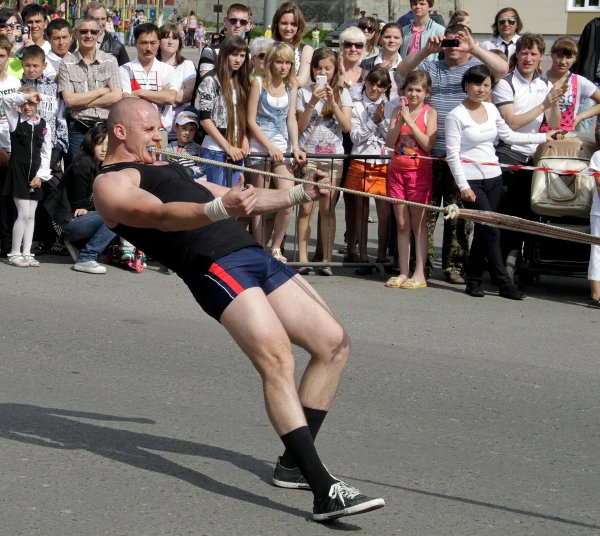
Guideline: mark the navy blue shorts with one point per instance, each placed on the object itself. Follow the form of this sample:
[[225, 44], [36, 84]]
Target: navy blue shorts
[[228, 277]]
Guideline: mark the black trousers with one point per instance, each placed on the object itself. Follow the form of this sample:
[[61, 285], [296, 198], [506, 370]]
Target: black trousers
[[486, 239], [8, 214]]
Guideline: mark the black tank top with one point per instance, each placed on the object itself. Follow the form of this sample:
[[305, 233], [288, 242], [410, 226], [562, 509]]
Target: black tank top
[[189, 253]]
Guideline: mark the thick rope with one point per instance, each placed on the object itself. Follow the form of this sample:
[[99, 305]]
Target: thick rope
[[493, 219]]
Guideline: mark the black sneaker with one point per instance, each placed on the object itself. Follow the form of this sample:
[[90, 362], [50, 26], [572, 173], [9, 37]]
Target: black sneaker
[[474, 290], [288, 478], [511, 292], [343, 500], [594, 303]]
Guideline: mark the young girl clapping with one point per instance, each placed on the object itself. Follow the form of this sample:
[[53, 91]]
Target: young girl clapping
[[413, 129], [273, 126], [221, 102]]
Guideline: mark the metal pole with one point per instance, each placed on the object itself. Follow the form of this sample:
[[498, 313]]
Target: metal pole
[[270, 6]]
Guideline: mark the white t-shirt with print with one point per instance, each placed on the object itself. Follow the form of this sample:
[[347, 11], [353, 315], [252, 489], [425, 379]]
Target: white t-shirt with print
[[328, 137]]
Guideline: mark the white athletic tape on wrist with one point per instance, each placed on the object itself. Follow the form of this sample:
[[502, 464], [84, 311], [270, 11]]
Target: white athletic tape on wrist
[[298, 196], [215, 210]]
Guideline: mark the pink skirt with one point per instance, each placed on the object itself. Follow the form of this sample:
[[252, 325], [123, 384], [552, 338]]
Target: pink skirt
[[415, 185]]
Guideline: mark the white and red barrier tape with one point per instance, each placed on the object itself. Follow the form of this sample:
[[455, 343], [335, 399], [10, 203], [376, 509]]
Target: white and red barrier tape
[[513, 166]]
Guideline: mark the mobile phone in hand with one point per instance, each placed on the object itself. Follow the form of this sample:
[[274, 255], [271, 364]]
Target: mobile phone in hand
[[450, 43], [320, 81]]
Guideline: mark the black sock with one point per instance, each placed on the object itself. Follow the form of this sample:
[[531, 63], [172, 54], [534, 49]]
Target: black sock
[[314, 419], [300, 444]]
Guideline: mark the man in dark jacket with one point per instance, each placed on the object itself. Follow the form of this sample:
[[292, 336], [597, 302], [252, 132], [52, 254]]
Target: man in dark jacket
[[108, 43]]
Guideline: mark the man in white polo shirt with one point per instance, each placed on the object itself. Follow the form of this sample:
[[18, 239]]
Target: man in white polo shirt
[[523, 98], [149, 79]]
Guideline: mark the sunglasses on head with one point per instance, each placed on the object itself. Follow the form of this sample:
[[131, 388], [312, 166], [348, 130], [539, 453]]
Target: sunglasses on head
[[86, 31], [234, 20], [358, 46], [504, 21], [368, 29]]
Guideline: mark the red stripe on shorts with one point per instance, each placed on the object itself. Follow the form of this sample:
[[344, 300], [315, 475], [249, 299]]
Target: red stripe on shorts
[[219, 272]]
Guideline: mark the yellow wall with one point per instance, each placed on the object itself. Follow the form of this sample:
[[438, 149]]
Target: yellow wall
[[577, 21]]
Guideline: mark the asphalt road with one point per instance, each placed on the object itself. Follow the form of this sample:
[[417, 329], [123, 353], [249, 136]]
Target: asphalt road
[[125, 411]]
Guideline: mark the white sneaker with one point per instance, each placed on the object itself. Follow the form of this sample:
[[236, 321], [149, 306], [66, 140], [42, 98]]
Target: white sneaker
[[89, 267], [16, 259], [31, 260]]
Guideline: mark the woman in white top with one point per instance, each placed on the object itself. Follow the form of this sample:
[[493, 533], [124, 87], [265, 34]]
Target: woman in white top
[[471, 130], [169, 52], [370, 122]]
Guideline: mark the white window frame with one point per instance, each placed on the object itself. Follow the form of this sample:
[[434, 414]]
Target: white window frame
[[583, 9]]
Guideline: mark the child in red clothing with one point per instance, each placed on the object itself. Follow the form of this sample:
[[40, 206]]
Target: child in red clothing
[[412, 132]]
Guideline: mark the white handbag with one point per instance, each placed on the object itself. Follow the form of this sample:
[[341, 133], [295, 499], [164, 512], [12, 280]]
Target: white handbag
[[560, 194]]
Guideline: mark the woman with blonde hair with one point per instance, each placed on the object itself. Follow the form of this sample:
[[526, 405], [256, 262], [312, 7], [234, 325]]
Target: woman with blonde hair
[[274, 129]]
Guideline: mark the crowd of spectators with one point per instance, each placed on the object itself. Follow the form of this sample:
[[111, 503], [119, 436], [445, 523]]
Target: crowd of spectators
[[402, 90]]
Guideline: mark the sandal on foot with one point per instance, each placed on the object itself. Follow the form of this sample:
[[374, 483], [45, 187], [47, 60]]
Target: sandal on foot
[[306, 270], [276, 252], [412, 284], [325, 270], [395, 282]]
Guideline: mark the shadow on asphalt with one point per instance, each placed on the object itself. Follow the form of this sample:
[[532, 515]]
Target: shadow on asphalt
[[58, 429]]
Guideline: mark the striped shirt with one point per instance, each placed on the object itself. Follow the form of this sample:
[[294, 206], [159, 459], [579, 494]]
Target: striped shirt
[[447, 94]]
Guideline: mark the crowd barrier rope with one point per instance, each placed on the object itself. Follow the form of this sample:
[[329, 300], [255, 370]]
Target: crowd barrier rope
[[494, 219]]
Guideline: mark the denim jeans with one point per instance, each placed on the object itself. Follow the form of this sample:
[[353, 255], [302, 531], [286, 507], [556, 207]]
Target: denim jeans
[[76, 135], [218, 174], [92, 226]]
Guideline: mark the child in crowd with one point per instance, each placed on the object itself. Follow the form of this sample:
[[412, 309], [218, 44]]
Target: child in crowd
[[8, 85], [82, 224], [594, 267], [31, 146], [324, 112], [370, 122], [274, 129], [186, 126], [413, 129], [52, 109], [221, 101]]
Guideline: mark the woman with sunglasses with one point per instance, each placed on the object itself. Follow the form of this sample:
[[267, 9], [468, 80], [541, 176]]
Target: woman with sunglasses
[[352, 45], [507, 26], [370, 27], [10, 26], [258, 51], [289, 26]]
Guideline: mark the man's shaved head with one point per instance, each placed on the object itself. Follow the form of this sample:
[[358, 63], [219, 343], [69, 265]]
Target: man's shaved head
[[133, 125]]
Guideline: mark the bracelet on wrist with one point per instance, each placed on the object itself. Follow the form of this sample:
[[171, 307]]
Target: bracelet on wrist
[[215, 210]]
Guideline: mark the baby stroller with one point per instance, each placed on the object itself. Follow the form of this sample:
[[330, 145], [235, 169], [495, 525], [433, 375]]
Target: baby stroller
[[558, 199]]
